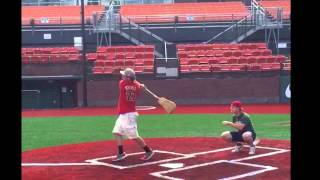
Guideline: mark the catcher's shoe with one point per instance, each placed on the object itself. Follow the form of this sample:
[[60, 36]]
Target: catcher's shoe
[[119, 157], [237, 148], [256, 141], [252, 150], [147, 156]]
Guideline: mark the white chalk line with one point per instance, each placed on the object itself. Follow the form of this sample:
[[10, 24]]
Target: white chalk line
[[96, 162], [235, 161]]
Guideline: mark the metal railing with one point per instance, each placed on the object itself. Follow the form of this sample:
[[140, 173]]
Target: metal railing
[[64, 3], [235, 30], [55, 20], [183, 18]]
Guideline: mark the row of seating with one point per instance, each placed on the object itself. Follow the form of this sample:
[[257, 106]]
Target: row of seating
[[48, 51], [220, 46], [230, 67], [115, 69], [224, 53], [233, 60], [206, 11], [110, 59], [271, 5], [125, 49], [57, 14], [137, 62], [53, 58]]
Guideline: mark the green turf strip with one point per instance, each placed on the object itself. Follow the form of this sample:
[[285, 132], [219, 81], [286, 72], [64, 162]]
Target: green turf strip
[[43, 132]]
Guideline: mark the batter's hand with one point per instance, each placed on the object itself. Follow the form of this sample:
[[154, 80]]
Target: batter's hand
[[226, 122], [143, 86]]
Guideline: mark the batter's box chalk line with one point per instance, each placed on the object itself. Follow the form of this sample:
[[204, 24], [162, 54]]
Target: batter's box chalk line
[[97, 162], [181, 156], [235, 161]]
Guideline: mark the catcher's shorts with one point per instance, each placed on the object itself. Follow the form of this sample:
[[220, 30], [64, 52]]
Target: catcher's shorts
[[126, 125]]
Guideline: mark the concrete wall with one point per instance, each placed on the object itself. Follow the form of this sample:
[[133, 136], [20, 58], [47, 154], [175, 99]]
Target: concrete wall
[[190, 91]]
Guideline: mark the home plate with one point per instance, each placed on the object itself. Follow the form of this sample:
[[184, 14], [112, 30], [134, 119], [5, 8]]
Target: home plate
[[172, 165]]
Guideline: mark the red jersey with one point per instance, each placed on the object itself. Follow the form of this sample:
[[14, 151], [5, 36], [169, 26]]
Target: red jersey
[[128, 93]]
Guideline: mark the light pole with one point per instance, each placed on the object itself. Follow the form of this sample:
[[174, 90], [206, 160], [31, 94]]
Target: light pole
[[84, 62]]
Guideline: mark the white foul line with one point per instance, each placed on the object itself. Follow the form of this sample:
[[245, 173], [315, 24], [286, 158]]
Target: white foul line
[[56, 164]]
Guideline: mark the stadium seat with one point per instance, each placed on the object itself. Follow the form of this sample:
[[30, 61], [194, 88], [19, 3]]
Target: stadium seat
[[194, 68], [108, 70], [139, 62], [139, 69], [213, 60], [203, 60], [119, 62], [109, 63], [74, 57], [266, 52], [138, 56], [261, 59], [252, 60], [205, 68], [193, 61], [97, 70], [254, 67], [148, 69], [243, 60], [280, 58], [233, 60], [184, 68], [215, 68], [91, 56], [129, 63], [99, 63], [148, 62]]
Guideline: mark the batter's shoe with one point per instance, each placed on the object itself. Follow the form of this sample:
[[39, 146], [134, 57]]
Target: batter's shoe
[[147, 156], [119, 157]]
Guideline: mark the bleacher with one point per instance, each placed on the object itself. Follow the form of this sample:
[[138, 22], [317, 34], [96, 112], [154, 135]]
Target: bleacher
[[213, 11], [50, 55], [227, 57], [111, 59], [56, 14], [271, 4]]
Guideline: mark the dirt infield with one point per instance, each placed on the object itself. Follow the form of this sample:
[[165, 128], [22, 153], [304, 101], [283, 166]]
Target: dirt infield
[[213, 109], [198, 158]]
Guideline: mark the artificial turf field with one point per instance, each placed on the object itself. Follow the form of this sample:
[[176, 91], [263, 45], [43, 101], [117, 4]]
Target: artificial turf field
[[78, 144], [54, 131]]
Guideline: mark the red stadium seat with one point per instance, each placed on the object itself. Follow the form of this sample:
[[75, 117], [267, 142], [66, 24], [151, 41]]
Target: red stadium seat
[[185, 68], [97, 70], [129, 63], [148, 62], [91, 56], [99, 63]]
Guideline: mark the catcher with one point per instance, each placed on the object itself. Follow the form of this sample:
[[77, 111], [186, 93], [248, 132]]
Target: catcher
[[245, 131], [126, 124]]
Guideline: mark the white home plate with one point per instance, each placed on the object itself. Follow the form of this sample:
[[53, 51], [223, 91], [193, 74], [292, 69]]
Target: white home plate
[[172, 165]]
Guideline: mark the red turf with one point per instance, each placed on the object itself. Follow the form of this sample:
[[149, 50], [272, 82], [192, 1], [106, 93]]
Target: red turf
[[78, 153], [205, 109]]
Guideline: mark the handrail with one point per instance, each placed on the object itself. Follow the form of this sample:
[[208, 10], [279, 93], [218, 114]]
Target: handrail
[[232, 26], [145, 30], [30, 90], [61, 3], [184, 15]]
